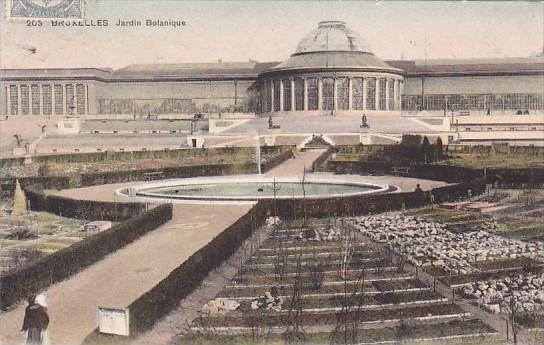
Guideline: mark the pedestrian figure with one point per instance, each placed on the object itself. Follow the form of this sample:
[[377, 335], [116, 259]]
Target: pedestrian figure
[[36, 321]]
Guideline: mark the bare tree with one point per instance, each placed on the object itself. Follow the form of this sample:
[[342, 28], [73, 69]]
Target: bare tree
[[295, 331]]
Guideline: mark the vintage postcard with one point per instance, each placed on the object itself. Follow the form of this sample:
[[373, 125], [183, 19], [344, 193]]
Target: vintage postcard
[[253, 172]]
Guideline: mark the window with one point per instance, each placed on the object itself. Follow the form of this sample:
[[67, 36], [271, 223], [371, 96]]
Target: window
[[391, 94], [267, 99], [357, 90], [58, 99], [328, 93], [311, 84], [286, 94], [371, 93], [342, 91], [70, 99], [35, 91], [382, 93], [25, 100], [80, 98], [276, 95], [299, 94], [13, 100], [47, 97]]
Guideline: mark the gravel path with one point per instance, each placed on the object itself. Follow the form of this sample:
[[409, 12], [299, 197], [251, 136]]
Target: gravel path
[[125, 275]]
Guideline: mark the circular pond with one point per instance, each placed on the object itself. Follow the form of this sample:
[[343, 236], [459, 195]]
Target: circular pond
[[248, 189]]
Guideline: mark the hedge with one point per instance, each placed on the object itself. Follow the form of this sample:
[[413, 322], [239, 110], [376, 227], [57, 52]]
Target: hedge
[[370, 203], [81, 209], [70, 260], [178, 154], [166, 295]]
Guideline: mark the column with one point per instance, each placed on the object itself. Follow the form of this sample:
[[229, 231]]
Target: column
[[401, 92], [387, 95], [293, 107], [350, 93], [319, 93], [305, 96], [40, 90], [86, 99], [64, 104], [335, 94], [395, 94], [281, 94], [8, 103], [377, 94], [272, 95], [364, 93], [19, 100]]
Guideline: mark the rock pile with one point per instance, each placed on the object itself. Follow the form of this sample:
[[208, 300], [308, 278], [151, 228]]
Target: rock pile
[[269, 301], [321, 235], [524, 292], [427, 242], [219, 306]]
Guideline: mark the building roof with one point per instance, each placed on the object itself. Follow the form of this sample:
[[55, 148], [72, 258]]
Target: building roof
[[55, 73], [445, 67], [332, 36], [250, 70], [333, 60], [333, 46], [192, 70]]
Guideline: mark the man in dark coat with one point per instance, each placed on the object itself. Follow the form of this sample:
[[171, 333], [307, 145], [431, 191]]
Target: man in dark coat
[[36, 320]]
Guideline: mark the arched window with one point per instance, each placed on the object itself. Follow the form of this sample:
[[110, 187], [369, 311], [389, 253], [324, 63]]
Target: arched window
[[342, 90], [299, 94], [382, 100], [357, 90], [328, 93], [371, 93], [311, 84], [286, 94], [276, 95]]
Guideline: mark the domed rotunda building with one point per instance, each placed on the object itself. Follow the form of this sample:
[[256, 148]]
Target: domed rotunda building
[[332, 72]]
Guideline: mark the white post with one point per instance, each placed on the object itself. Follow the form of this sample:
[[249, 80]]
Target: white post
[[387, 95], [335, 94]]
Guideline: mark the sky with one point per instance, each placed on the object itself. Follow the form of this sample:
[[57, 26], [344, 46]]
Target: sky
[[270, 31]]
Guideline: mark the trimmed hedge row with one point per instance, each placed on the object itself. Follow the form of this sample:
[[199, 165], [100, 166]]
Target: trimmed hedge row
[[7, 185], [82, 209], [372, 203], [165, 296], [64, 263], [277, 160], [178, 154]]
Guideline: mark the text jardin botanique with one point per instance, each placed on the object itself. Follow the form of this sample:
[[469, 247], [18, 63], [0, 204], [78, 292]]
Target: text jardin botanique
[[122, 23]]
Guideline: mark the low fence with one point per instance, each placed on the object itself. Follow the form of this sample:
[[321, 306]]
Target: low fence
[[66, 262]]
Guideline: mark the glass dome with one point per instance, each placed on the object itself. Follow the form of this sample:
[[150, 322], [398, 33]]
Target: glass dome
[[332, 36]]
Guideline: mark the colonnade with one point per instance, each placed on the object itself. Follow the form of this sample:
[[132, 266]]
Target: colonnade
[[332, 93]]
